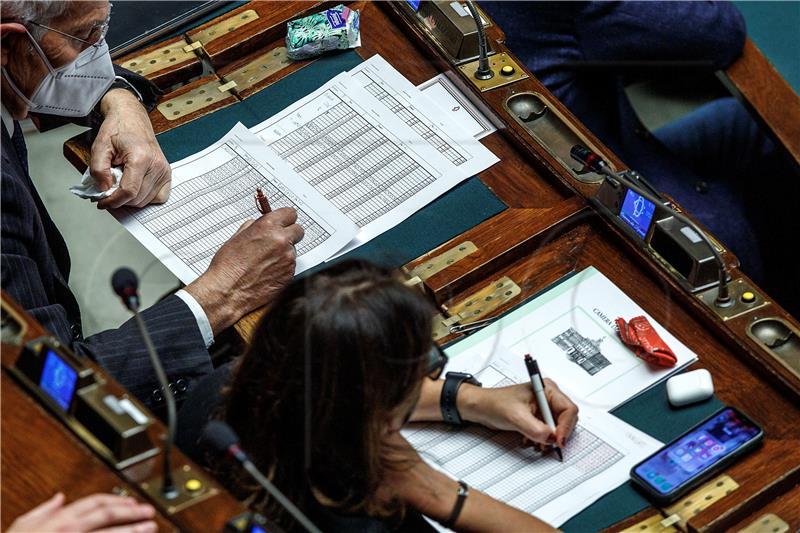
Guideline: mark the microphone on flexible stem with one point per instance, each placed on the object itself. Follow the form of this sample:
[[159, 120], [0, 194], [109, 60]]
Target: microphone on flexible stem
[[595, 163], [483, 71], [221, 438], [126, 285]]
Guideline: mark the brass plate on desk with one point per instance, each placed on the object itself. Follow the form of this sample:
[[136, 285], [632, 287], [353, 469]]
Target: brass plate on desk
[[259, 69], [768, 523], [185, 498], [654, 524], [476, 307], [486, 300], [737, 288], [700, 499], [496, 62], [194, 100], [224, 27], [159, 59], [440, 262]]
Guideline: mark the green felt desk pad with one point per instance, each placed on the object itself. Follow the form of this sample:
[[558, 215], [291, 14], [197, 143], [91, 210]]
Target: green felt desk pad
[[451, 214]]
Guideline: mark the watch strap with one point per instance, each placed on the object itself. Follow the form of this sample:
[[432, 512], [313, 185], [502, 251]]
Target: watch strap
[[447, 400], [461, 497]]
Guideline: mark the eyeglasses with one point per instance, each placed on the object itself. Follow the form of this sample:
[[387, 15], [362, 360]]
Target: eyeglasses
[[95, 37], [437, 362]]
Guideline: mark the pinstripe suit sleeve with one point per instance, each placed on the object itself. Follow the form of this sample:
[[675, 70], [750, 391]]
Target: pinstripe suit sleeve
[[30, 276], [176, 336]]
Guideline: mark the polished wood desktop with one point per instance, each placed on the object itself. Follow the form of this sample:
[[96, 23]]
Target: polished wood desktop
[[551, 229], [42, 456]]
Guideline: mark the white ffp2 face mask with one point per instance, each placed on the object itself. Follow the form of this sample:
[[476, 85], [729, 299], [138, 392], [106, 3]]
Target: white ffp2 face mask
[[73, 89]]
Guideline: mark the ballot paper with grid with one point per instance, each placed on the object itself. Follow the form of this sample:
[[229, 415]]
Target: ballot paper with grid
[[369, 162], [394, 92], [213, 194], [597, 459]]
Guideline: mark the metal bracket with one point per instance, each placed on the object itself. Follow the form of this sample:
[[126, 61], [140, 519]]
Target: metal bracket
[[496, 63], [737, 288], [700, 499], [159, 59], [223, 27], [194, 100], [679, 513], [193, 486], [440, 262], [768, 523], [209, 93], [259, 69], [653, 524], [477, 306], [192, 47]]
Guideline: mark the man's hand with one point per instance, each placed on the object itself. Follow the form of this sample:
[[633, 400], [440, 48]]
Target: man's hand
[[250, 269], [514, 409], [126, 138], [99, 512]]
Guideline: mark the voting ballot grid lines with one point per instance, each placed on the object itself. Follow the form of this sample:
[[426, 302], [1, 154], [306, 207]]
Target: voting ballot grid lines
[[366, 161], [550, 233]]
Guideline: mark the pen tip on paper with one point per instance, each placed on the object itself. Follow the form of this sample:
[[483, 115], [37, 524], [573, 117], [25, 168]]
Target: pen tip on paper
[[559, 453]]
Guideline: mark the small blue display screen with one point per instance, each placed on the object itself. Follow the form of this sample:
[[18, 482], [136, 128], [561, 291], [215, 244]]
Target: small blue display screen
[[257, 529], [414, 4], [693, 454], [637, 212], [58, 379]]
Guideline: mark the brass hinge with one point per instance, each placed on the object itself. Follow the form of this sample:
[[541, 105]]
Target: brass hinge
[[232, 83], [445, 259], [679, 513], [768, 523], [259, 69], [159, 59], [194, 100], [476, 307], [223, 27]]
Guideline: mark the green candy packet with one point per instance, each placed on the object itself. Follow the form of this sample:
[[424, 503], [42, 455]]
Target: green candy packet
[[333, 29]]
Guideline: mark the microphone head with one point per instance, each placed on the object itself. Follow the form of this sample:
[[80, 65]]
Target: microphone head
[[219, 437], [125, 283]]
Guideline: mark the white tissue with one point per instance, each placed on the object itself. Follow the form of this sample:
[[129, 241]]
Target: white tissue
[[87, 188]]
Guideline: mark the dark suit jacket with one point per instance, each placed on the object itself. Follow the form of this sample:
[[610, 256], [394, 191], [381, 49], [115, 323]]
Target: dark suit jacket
[[35, 271]]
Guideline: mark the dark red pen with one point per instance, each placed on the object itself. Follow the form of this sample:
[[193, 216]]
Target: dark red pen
[[262, 204]]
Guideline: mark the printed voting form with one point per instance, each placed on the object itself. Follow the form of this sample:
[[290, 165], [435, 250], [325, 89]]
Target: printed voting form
[[366, 159], [394, 92], [570, 330], [597, 459], [212, 195]]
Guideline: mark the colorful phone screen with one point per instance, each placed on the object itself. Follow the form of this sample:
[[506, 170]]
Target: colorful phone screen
[[58, 379], [637, 212], [690, 456]]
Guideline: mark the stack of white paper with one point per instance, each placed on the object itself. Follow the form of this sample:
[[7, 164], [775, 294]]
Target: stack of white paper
[[354, 158]]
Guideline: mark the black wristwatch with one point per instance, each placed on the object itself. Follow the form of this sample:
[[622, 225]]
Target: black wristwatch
[[447, 401]]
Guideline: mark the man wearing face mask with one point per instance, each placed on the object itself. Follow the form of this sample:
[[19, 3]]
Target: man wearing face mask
[[55, 62]]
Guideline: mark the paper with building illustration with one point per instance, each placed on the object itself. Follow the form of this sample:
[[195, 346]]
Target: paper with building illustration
[[570, 330]]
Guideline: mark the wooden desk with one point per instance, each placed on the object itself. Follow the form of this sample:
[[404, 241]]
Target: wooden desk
[[550, 229], [41, 456]]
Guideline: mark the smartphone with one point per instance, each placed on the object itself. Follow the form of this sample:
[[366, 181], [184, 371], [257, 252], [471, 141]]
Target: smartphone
[[697, 455]]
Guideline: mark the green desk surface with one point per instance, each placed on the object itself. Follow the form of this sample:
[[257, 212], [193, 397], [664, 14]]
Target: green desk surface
[[651, 413], [451, 214], [458, 210]]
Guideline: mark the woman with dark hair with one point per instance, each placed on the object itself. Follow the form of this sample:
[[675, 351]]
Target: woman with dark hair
[[334, 371]]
